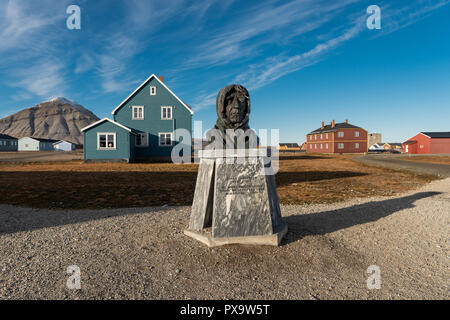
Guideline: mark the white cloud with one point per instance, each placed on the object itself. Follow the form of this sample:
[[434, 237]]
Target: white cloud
[[45, 78]]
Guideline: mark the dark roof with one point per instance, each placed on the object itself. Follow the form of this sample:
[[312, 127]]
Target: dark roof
[[328, 128], [44, 140], [289, 145], [5, 136], [395, 144], [410, 142], [437, 135]]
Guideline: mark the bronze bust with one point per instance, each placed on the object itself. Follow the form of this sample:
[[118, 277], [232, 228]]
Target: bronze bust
[[233, 111]]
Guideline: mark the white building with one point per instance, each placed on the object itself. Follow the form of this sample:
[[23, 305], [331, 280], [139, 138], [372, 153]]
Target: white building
[[63, 145], [36, 144]]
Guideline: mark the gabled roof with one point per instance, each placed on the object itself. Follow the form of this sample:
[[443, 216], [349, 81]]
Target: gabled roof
[[60, 141], [410, 142], [43, 139], [437, 135], [5, 136], [143, 84], [106, 119], [337, 126]]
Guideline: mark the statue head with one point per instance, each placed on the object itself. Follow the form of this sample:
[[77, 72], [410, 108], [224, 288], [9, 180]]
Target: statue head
[[233, 107]]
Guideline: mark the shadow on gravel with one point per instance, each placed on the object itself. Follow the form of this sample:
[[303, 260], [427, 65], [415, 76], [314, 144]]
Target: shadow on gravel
[[28, 219], [329, 221]]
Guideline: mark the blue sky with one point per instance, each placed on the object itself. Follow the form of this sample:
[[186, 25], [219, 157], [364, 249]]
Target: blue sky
[[304, 61]]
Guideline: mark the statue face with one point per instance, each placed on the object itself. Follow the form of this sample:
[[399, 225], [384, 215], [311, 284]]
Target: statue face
[[235, 107]]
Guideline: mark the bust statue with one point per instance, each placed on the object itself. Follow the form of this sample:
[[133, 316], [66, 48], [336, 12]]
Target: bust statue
[[233, 110]]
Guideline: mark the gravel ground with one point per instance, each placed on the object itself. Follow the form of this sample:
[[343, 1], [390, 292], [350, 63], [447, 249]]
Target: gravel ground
[[40, 156], [143, 253], [397, 162]]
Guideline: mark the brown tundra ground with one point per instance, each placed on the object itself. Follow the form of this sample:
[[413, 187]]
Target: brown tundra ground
[[302, 179]]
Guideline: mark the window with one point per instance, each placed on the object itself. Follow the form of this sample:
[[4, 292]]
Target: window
[[341, 134], [138, 113], [326, 146], [326, 136], [142, 140], [340, 146], [106, 140], [315, 145], [166, 113], [321, 146], [165, 139], [421, 146], [356, 134], [356, 145], [310, 146], [153, 91], [321, 136]]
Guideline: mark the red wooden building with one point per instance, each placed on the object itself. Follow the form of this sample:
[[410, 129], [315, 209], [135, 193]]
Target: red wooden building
[[337, 138], [428, 143]]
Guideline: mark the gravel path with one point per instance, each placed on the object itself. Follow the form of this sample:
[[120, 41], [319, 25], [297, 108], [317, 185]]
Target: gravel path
[[393, 162], [40, 156], [142, 253]]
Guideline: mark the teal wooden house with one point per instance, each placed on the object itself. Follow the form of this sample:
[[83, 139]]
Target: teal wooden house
[[142, 127]]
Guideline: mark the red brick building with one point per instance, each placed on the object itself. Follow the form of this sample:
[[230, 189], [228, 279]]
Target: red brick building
[[428, 143], [337, 138]]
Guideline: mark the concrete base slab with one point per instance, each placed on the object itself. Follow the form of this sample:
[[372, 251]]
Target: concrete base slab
[[205, 237]]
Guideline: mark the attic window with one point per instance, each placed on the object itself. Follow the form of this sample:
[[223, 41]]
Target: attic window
[[153, 91]]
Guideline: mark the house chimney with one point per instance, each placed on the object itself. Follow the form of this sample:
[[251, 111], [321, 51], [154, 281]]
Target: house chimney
[[161, 78], [346, 121], [333, 124], [323, 125]]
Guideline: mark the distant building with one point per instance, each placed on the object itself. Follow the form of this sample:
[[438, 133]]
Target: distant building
[[376, 147], [337, 138], [7, 143], [428, 143], [63, 145], [304, 146], [36, 144], [374, 138], [288, 147]]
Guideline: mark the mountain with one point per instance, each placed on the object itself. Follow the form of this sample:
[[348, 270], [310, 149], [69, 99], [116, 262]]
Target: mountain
[[58, 119]]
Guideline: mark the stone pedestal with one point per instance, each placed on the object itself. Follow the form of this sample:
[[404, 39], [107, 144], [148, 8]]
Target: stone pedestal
[[235, 200]]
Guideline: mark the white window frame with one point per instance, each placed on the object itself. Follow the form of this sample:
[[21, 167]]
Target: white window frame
[[341, 145], [356, 145], [159, 139], [321, 146], [356, 134], [340, 134], [146, 135], [326, 145], [162, 112], [107, 134], [326, 136], [139, 108], [152, 90]]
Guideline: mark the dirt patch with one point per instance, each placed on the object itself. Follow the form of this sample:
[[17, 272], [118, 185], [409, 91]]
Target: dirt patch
[[77, 185]]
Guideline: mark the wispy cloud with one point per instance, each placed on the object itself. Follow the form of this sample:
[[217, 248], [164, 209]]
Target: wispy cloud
[[394, 19], [45, 79], [274, 68]]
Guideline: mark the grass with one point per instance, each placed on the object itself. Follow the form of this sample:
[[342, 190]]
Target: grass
[[76, 185]]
